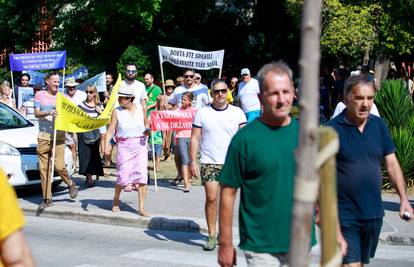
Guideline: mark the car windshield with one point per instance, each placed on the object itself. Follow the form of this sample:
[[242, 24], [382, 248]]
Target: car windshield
[[10, 118]]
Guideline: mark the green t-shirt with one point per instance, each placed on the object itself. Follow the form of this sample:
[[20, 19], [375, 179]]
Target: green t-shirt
[[152, 92], [261, 161], [157, 138]]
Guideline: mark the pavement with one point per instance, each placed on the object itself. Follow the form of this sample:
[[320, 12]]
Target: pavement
[[170, 209]]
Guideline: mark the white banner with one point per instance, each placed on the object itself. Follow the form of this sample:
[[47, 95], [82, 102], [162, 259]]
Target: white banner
[[187, 58], [99, 81]]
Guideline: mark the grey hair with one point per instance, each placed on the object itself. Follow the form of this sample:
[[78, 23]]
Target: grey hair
[[278, 67], [355, 80]]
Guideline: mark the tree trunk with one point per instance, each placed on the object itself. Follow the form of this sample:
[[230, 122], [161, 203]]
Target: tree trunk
[[382, 66], [306, 180], [365, 60]]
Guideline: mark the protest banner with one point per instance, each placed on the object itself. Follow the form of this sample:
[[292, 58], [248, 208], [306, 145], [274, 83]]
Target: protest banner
[[24, 94], [38, 61], [71, 118], [191, 59], [37, 77], [172, 120], [187, 58], [98, 80]]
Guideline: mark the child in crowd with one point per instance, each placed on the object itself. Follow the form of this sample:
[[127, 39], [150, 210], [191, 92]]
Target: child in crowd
[[156, 137], [182, 139]]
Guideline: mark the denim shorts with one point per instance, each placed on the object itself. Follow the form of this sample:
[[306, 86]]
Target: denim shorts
[[157, 149], [362, 238], [184, 150]]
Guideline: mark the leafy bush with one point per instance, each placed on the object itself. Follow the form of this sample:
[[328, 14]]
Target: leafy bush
[[394, 103], [397, 109]]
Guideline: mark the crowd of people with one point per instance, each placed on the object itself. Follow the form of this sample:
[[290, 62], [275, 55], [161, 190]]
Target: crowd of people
[[243, 136]]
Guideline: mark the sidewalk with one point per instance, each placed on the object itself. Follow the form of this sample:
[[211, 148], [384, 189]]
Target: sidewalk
[[171, 209]]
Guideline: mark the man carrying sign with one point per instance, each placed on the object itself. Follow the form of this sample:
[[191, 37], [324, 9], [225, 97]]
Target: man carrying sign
[[215, 125], [45, 111]]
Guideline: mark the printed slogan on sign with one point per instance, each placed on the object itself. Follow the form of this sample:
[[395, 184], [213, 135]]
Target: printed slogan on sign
[[172, 120], [188, 58]]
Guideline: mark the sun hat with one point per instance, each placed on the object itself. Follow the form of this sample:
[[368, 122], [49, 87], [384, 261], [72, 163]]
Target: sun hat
[[169, 83], [126, 91], [71, 83]]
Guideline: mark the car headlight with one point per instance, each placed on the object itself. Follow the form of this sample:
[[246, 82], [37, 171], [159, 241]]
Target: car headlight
[[6, 149]]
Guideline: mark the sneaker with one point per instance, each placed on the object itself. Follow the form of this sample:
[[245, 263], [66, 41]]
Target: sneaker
[[73, 191], [45, 204], [211, 243]]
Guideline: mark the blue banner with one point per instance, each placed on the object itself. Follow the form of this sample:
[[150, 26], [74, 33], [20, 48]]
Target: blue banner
[[37, 77], [38, 61], [99, 81]]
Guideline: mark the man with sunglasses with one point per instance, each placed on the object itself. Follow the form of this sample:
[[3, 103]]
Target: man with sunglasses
[[200, 91], [213, 128], [248, 95], [137, 86]]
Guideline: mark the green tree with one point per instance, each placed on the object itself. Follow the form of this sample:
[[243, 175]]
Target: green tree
[[353, 29]]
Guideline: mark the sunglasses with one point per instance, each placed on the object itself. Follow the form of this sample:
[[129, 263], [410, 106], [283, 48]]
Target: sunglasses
[[71, 88], [131, 71], [197, 78], [245, 75], [90, 92], [223, 91], [188, 76]]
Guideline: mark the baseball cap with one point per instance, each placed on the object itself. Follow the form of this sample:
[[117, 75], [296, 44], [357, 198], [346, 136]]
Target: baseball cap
[[245, 71]]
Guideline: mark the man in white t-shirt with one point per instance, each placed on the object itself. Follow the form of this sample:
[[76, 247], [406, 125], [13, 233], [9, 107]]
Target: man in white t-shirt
[[137, 86], [248, 95], [215, 125], [72, 93], [200, 91]]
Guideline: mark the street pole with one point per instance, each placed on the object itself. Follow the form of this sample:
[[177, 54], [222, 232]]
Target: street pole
[[306, 180]]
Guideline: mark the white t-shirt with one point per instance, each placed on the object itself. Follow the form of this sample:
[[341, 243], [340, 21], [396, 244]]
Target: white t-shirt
[[248, 95], [200, 93], [130, 125], [78, 97], [139, 90], [217, 129], [341, 106]]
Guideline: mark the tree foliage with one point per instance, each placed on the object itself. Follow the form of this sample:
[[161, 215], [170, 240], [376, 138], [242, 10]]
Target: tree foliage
[[350, 28]]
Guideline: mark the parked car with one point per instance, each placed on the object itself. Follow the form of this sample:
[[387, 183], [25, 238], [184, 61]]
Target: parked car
[[18, 143]]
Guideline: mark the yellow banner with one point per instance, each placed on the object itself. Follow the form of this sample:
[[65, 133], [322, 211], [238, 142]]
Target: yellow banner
[[73, 119]]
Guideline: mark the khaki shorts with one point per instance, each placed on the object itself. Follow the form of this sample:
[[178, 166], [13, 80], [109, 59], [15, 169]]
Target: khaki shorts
[[209, 172]]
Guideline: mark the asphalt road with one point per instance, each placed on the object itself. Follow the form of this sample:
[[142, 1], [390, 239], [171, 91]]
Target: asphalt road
[[76, 244]]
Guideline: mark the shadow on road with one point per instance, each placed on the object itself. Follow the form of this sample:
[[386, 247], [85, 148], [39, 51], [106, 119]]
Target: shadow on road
[[187, 238]]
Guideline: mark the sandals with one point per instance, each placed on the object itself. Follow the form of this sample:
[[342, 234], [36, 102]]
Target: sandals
[[177, 180], [89, 183], [143, 213], [186, 190], [128, 188], [115, 209]]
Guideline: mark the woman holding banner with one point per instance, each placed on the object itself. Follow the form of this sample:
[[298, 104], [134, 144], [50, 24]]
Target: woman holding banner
[[90, 162], [131, 133]]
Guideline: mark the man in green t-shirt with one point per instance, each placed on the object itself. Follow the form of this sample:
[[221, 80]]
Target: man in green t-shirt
[[261, 162], [153, 91]]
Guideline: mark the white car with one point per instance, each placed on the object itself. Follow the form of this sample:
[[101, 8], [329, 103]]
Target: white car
[[18, 143]]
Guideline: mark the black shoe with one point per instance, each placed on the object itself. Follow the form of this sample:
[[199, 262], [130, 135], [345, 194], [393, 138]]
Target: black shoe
[[45, 204]]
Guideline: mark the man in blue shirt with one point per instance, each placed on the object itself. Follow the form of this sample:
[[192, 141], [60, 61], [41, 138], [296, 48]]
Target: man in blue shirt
[[365, 142]]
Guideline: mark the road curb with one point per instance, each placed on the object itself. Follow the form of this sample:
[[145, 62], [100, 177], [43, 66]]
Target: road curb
[[122, 218]]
